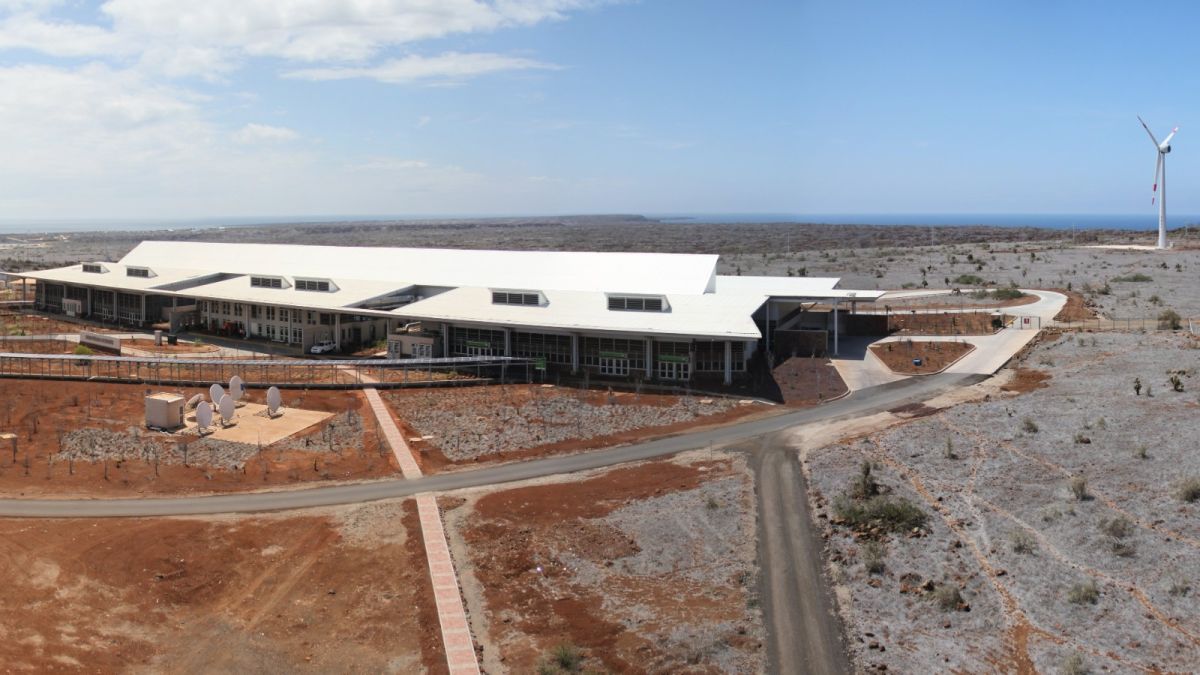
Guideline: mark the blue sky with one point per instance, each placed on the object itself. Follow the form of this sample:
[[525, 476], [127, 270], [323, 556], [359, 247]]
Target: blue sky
[[156, 109], [969, 107], [163, 109]]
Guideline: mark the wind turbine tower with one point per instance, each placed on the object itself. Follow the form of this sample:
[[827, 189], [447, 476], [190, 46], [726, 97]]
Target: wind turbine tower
[[1160, 179]]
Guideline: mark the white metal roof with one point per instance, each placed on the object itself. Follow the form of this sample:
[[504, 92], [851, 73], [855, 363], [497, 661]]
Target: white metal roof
[[535, 270], [714, 315], [116, 278], [238, 289]]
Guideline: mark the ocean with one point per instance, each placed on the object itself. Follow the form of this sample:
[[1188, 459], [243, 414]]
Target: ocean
[[1060, 221]]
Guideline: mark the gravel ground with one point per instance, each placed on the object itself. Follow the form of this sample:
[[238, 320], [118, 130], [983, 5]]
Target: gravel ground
[[466, 424], [1009, 481], [1052, 266], [343, 433], [705, 536]]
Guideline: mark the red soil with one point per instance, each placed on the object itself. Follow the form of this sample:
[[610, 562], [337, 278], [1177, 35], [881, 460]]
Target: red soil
[[934, 355], [39, 410], [512, 533], [275, 594]]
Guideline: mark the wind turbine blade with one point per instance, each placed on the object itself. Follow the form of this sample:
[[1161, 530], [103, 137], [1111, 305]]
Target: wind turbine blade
[[1147, 130], [1167, 140]]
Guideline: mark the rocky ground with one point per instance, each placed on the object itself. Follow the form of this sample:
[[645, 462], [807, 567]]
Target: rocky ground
[[1057, 528], [647, 568], [341, 434], [1108, 278], [472, 422]]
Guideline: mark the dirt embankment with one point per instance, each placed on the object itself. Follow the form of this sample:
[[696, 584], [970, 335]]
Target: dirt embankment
[[945, 323], [48, 417], [648, 568], [344, 591], [1078, 308]]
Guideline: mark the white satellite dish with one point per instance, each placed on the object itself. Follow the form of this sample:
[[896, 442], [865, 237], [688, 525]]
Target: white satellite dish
[[215, 393], [237, 388], [228, 410], [195, 401], [203, 415], [274, 401]]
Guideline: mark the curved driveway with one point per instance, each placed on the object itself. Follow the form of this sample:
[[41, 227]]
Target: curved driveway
[[863, 402]]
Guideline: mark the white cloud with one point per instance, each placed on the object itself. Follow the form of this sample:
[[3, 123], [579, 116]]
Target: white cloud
[[323, 30], [28, 31], [423, 121], [264, 133], [451, 66]]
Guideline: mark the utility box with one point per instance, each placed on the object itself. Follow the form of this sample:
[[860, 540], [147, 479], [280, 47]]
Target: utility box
[[164, 411]]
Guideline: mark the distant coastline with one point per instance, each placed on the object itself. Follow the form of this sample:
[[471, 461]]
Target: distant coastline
[[1052, 221]]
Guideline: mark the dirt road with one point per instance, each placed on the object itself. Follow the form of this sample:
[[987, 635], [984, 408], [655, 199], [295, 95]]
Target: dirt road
[[803, 631]]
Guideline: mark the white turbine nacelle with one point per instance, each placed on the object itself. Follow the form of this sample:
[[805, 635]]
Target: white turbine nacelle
[[1164, 148]]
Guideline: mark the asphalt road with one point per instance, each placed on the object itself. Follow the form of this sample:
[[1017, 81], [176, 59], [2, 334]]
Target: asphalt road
[[859, 403], [803, 630]]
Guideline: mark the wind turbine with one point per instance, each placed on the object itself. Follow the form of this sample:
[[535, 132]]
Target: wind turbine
[[1160, 177]]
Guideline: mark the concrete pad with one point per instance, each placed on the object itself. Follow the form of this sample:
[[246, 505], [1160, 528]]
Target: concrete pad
[[253, 426], [860, 368]]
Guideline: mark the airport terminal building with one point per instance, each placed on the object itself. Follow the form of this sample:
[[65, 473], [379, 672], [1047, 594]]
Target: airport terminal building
[[648, 316]]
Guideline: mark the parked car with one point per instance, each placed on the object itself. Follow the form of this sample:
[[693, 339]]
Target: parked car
[[322, 347]]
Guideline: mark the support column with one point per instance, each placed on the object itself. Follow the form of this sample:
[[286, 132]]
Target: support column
[[649, 358], [143, 296], [728, 362], [835, 328], [767, 326], [446, 340], [87, 311], [508, 342], [337, 332], [574, 353]]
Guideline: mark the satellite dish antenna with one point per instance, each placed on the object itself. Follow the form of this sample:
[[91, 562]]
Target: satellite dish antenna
[[228, 410], [274, 400], [195, 401], [237, 388], [215, 393], [203, 415]]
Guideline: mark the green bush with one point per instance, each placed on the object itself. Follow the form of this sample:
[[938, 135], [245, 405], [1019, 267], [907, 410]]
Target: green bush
[[891, 514], [83, 350], [1079, 488], [1189, 489], [1136, 278], [1074, 665], [874, 554], [1007, 294], [1170, 319], [968, 280], [948, 597], [1029, 426], [1022, 542], [1085, 593], [864, 486], [564, 658]]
